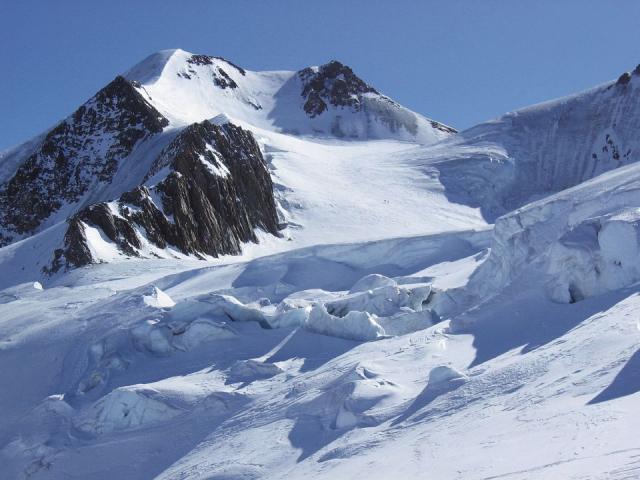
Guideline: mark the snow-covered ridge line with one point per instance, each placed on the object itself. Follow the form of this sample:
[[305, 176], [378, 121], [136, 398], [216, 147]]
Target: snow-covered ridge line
[[537, 151], [327, 101]]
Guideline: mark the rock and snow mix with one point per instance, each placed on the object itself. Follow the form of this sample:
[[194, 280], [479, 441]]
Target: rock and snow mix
[[421, 331]]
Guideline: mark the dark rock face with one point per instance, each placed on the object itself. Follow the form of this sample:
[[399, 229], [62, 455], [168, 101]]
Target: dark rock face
[[624, 78], [208, 60], [333, 83], [226, 165], [200, 60], [80, 152], [216, 193], [442, 127], [76, 252], [220, 77]]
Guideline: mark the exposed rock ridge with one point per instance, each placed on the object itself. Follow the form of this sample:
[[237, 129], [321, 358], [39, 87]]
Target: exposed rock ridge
[[333, 83], [220, 77], [215, 191], [83, 150]]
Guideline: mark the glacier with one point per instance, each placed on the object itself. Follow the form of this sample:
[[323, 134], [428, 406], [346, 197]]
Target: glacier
[[415, 302]]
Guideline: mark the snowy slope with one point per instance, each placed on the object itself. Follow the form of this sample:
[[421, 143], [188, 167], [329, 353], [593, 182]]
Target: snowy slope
[[199, 389], [189, 88], [110, 148], [579, 243], [524, 155], [397, 329], [377, 192]]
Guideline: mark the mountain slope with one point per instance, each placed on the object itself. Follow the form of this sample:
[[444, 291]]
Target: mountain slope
[[215, 190], [537, 151], [120, 145], [76, 157], [329, 100]]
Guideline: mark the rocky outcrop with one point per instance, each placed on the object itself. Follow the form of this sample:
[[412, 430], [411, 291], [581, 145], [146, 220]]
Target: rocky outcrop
[[220, 77], [334, 86], [624, 78], [82, 151], [209, 60], [215, 190], [333, 83]]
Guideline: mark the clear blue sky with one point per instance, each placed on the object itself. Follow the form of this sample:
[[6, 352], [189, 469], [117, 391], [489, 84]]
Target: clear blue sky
[[460, 62]]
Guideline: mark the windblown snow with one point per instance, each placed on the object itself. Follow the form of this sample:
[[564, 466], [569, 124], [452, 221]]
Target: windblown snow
[[439, 305]]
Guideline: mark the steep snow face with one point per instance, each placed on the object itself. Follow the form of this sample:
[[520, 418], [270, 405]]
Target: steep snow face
[[537, 151], [322, 101], [573, 245]]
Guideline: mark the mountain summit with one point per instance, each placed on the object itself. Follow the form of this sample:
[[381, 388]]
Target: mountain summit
[[164, 156], [329, 100]]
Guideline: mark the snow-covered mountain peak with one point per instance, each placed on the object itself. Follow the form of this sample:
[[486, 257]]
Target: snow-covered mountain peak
[[110, 146], [327, 100], [152, 68]]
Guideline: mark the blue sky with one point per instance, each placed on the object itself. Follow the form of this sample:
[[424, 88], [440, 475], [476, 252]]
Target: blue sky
[[460, 62]]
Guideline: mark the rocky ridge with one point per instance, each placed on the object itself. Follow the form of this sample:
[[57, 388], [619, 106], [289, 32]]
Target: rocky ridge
[[215, 192], [77, 155]]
